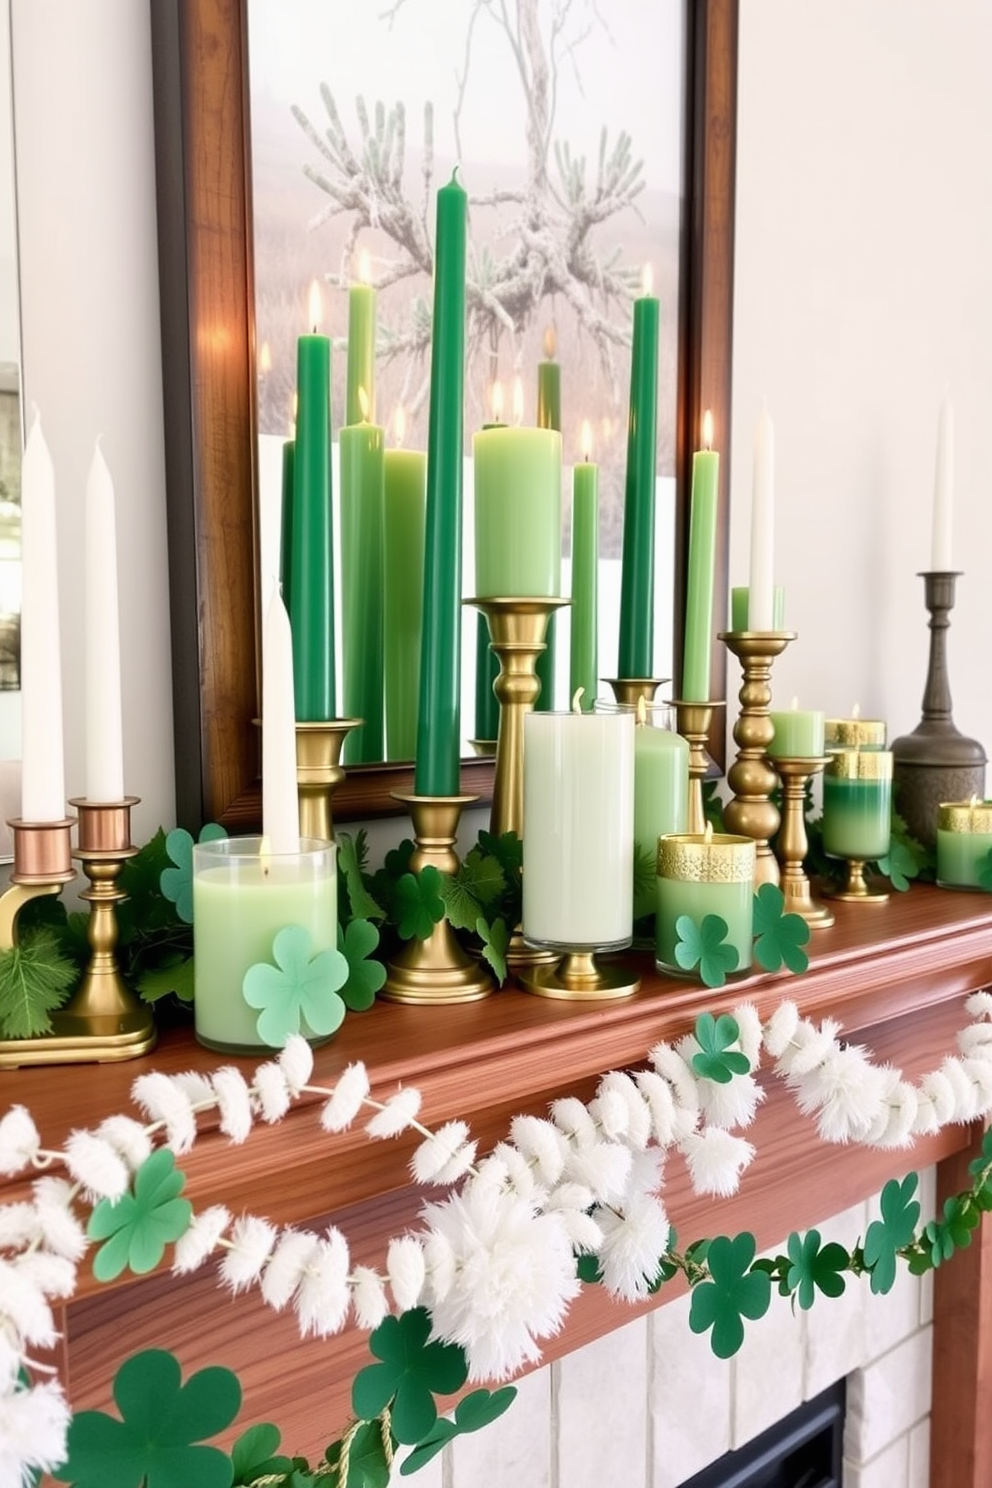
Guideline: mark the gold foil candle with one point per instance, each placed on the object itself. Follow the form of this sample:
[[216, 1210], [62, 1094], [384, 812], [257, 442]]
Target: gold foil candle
[[964, 839], [699, 874]]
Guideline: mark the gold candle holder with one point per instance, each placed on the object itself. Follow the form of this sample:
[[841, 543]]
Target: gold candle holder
[[793, 843], [578, 977], [857, 807], [319, 772], [693, 721], [628, 691], [750, 813], [437, 970]]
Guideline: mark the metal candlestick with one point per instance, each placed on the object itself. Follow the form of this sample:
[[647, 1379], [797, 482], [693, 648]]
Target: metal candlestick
[[793, 844], [936, 762], [628, 691], [750, 813], [693, 722], [436, 970], [42, 865], [319, 772], [856, 889], [577, 977]]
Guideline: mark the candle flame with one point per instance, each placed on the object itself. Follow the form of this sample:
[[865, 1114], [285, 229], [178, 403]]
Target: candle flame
[[518, 400], [642, 710], [586, 439], [974, 802], [856, 711], [550, 343], [647, 279], [496, 402], [795, 705], [315, 306], [708, 429], [399, 426], [363, 403], [292, 415], [577, 700], [364, 267], [265, 360], [708, 833]]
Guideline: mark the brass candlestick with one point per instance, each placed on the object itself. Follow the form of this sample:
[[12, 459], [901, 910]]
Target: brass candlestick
[[751, 778], [793, 844], [628, 691], [436, 970], [319, 772], [856, 889], [577, 977], [693, 722], [42, 865]]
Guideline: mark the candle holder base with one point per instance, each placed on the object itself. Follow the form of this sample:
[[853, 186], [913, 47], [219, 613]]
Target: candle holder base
[[693, 721], [520, 956], [793, 843], [319, 772], [628, 691], [750, 813], [856, 889], [436, 971], [578, 977]]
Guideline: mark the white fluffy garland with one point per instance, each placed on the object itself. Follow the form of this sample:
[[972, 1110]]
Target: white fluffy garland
[[494, 1261]]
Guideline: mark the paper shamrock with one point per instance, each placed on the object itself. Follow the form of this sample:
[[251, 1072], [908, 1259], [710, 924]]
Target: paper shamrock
[[472, 1412], [705, 946], [177, 883], [419, 905], [154, 1444], [299, 994], [953, 1231], [413, 1370], [887, 1235], [780, 937], [365, 977], [368, 1465], [735, 1291], [899, 865], [138, 1226], [814, 1267], [985, 871], [716, 1059]]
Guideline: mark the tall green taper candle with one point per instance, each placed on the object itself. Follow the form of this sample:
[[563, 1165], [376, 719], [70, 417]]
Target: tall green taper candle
[[702, 565], [486, 672], [583, 657], [548, 417], [403, 597], [362, 589], [439, 719], [636, 651], [312, 570], [361, 348]]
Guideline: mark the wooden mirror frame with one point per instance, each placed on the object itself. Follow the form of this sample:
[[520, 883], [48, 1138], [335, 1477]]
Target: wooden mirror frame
[[208, 363]]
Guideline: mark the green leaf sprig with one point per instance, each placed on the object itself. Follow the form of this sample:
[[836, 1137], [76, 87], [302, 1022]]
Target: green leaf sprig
[[35, 979]]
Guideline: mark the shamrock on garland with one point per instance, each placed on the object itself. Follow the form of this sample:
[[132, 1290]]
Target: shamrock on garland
[[717, 1059], [365, 977], [953, 1232], [419, 905], [472, 1412], [985, 871], [254, 1454], [899, 865], [139, 1225], [705, 945], [814, 1266], [980, 1169], [413, 1370], [153, 1445], [298, 994], [734, 1292], [780, 936], [886, 1236], [177, 883]]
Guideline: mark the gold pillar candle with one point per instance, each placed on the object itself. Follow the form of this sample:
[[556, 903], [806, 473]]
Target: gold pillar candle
[[854, 733], [964, 838], [702, 874]]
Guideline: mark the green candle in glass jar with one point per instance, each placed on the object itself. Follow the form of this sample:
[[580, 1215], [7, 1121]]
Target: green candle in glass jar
[[857, 804], [964, 840], [702, 874]]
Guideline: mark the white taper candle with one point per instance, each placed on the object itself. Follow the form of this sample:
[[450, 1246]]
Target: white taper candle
[[104, 726], [43, 767]]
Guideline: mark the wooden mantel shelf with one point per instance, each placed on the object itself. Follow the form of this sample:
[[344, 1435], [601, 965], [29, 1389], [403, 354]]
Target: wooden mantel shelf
[[894, 975]]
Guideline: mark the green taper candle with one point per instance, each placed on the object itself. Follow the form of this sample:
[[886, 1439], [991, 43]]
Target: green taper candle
[[361, 348], [548, 417], [439, 719], [311, 584], [486, 672], [362, 589], [702, 566], [583, 658], [636, 650], [517, 513], [405, 475], [286, 522]]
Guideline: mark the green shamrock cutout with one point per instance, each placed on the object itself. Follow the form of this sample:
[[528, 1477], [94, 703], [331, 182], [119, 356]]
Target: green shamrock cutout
[[254, 1454], [419, 905], [365, 977], [495, 944], [734, 1292], [814, 1267], [368, 1466], [716, 1059], [899, 865], [985, 871], [413, 1370], [177, 883], [780, 936], [153, 1445], [886, 1236], [705, 945], [980, 1169], [472, 1412], [140, 1224], [953, 1232], [298, 994]]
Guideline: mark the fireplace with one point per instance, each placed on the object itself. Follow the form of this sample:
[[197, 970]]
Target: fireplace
[[803, 1450]]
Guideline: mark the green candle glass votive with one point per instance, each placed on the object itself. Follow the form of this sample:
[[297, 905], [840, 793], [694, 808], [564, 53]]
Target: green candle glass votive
[[964, 838], [854, 733], [699, 876], [857, 804], [240, 903]]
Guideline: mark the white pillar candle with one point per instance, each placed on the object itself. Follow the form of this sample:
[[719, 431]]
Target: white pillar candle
[[280, 802], [104, 729], [761, 597], [941, 560], [43, 769], [578, 828]]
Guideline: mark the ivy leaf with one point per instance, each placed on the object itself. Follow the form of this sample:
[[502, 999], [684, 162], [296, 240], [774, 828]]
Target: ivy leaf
[[363, 906], [985, 871], [734, 1292], [507, 849], [365, 977], [705, 945], [460, 904], [645, 880], [34, 980], [716, 1059], [474, 1411], [483, 875], [298, 990], [153, 1444], [495, 944], [419, 905], [174, 975], [815, 1267], [177, 882], [899, 865], [254, 1454], [413, 1370], [886, 1236], [780, 936], [138, 1226], [953, 1232]]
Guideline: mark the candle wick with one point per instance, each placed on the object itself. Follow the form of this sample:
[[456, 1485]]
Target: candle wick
[[577, 700]]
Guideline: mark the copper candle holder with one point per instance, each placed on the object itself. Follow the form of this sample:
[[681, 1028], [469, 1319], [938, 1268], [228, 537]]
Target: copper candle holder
[[793, 843], [693, 721], [751, 813], [437, 970], [319, 772]]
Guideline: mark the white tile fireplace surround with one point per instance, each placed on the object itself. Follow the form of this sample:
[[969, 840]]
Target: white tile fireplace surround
[[649, 1405]]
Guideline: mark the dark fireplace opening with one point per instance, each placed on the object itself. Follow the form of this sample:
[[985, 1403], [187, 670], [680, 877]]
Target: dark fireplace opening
[[803, 1450]]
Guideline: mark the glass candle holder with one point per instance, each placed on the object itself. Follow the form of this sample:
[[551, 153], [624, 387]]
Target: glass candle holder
[[241, 900], [964, 838], [857, 804], [854, 733], [661, 779], [701, 875]]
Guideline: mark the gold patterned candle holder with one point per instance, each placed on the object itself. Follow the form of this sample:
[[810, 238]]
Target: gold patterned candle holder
[[576, 976], [751, 813], [437, 970], [319, 772], [693, 722], [793, 843]]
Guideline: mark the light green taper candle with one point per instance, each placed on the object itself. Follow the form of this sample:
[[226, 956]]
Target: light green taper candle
[[583, 657], [548, 417], [361, 347], [405, 479], [362, 589]]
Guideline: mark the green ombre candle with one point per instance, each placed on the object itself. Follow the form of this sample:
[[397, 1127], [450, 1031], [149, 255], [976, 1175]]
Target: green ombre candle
[[404, 487], [286, 521], [548, 417], [583, 657], [361, 347], [636, 650], [439, 717], [362, 589], [311, 583], [517, 513], [700, 875], [964, 841], [857, 804], [798, 733], [740, 598], [702, 568]]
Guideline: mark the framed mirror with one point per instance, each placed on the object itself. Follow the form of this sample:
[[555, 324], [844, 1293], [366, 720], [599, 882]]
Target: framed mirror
[[209, 369]]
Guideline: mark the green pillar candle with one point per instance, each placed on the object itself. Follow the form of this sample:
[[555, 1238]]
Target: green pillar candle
[[517, 513], [548, 417], [361, 348], [964, 840], [702, 567], [311, 585], [405, 474], [636, 650], [739, 601], [857, 804], [704, 875], [486, 672], [583, 659], [286, 522], [798, 734], [362, 589], [661, 787], [439, 719]]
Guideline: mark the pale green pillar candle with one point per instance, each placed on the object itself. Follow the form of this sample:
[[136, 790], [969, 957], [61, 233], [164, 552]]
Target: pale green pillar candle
[[798, 734], [362, 588], [700, 875], [240, 903], [702, 566], [517, 513], [740, 601], [661, 787], [964, 840], [857, 804], [405, 495], [583, 654], [361, 347]]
